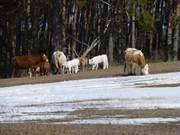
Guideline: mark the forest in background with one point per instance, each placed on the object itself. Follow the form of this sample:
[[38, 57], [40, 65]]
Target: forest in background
[[89, 27]]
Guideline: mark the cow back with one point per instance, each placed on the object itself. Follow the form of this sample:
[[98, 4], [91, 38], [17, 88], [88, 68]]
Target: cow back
[[25, 61]]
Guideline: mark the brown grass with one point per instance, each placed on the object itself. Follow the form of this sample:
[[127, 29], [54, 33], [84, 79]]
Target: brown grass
[[116, 70], [130, 113], [37, 129]]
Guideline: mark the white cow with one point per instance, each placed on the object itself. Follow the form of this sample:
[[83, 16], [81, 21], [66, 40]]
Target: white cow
[[95, 61], [135, 58], [72, 66], [59, 59]]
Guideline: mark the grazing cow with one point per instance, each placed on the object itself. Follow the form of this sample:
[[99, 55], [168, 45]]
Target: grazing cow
[[135, 58], [28, 62], [83, 62], [58, 60], [72, 66], [101, 59], [44, 68]]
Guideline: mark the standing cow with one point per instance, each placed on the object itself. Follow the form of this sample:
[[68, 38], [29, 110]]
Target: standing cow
[[72, 66], [135, 59], [59, 60], [28, 62], [44, 68], [100, 59], [83, 62]]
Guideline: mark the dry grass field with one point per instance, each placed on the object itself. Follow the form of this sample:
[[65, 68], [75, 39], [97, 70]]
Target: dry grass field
[[36, 129], [115, 70]]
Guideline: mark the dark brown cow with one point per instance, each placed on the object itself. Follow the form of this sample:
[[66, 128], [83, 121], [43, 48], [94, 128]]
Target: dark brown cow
[[27, 62]]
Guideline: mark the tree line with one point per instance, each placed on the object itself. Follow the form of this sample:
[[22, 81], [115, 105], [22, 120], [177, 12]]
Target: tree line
[[88, 27]]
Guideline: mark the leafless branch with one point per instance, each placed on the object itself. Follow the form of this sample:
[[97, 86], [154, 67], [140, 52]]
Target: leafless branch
[[105, 3], [97, 40], [75, 52], [75, 39]]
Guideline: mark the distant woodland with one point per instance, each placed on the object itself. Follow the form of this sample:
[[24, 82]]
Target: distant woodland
[[89, 27]]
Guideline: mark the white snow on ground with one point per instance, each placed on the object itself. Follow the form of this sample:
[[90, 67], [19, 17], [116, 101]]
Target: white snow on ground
[[124, 121], [56, 100]]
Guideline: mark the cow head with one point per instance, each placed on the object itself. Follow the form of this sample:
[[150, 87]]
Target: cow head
[[45, 58], [91, 62], [84, 60], [145, 70]]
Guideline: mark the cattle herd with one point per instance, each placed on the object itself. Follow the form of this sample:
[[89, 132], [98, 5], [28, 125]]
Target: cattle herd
[[134, 61]]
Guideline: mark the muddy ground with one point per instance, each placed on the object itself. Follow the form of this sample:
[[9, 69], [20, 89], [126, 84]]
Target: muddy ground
[[115, 70], [108, 129], [35, 129]]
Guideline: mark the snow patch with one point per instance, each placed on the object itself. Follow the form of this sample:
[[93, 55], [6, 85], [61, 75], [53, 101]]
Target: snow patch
[[41, 101]]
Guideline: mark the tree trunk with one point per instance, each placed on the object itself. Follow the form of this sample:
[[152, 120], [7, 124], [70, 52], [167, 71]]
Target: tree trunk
[[34, 30], [110, 49], [176, 39], [150, 44], [63, 22], [169, 42], [73, 25], [56, 35], [133, 25]]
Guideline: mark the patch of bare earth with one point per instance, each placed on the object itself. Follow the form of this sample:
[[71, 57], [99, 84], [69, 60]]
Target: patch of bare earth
[[116, 114], [163, 85], [39, 129], [128, 113]]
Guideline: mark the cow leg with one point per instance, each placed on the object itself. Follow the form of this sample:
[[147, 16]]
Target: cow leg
[[83, 68], [30, 72], [129, 68], [127, 65], [13, 72], [56, 67], [72, 70], [133, 69], [93, 67], [62, 67], [97, 65], [107, 66], [33, 72], [69, 68], [76, 69], [104, 66]]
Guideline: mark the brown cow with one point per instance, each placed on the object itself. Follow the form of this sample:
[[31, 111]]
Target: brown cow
[[28, 62], [135, 58], [45, 68], [83, 62]]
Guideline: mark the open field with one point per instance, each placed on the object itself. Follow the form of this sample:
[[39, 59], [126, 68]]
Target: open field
[[114, 104]]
